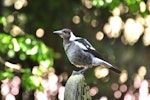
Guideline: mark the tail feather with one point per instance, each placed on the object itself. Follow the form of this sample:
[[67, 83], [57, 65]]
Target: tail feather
[[97, 62], [111, 67], [115, 70]]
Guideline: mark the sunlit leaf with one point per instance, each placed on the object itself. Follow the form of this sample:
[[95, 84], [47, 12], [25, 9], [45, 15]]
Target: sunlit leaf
[[22, 56], [8, 73], [11, 53], [36, 71], [3, 21]]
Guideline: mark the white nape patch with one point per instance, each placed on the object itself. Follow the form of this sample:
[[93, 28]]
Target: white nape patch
[[72, 37], [81, 45]]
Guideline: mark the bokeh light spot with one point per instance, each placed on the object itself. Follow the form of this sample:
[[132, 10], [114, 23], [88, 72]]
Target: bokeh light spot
[[99, 35], [76, 19], [143, 91], [146, 37], [61, 93], [107, 28], [10, 97], [129, 96], [15, 90], [114, 86], [10, 18], [93, 91], [16, 31], [132, 31], [117, 94], [142, 6], [39, 32], [123, 77], [101, 72], [123, 88], [103, 98], [5, 89], [18, 4], [116, 11], [94, 23], [87, 3], [137, 81], [142, 71]]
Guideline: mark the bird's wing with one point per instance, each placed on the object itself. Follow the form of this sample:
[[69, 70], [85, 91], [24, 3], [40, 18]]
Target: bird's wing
[[87, 47], [83, 44]]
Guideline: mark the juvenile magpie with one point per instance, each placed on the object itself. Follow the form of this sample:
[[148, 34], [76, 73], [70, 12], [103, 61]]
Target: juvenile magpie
[[80, 52]]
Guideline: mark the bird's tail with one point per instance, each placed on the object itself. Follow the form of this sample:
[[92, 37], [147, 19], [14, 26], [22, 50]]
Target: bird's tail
[[111, 67]]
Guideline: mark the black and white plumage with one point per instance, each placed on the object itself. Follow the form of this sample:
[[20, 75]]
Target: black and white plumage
[[80, 52]]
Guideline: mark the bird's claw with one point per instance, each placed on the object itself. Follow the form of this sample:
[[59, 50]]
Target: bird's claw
[[82, 71]]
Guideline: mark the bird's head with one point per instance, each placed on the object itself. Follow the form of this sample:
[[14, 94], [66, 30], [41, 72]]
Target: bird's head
[[65, 34]]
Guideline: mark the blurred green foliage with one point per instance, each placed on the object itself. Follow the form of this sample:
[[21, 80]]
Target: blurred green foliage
[[25, 47], [134, 5]]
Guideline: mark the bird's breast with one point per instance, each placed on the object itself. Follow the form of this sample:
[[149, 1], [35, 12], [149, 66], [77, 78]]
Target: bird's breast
[[77, 56]]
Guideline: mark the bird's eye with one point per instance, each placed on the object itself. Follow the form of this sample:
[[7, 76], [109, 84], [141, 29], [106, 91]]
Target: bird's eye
[[66, 32]]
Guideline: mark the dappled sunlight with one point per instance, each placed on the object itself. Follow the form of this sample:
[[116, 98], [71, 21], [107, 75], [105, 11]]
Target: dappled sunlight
[[110, 28], [86, 18], [142, 71], [146, 37], [103, 98], [40, 32], [52, 87], [99, 35], [10, 88], [18, 4], [132, 31], [142, 6], [10, 19], [76, 19], [143, 91], [94, 91], [123, 88], [10, 97], [101, 72], [87, 3], [116, 11], [16, 31], [115, 86], [129, 96], [61, 92], [117, 94], [132, 28], [123, 77], [94, 23]]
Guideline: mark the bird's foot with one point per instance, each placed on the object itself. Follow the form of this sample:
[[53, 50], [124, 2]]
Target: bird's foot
[[82, 71]]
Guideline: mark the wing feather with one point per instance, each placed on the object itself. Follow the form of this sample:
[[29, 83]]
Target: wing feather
[[89, 48]]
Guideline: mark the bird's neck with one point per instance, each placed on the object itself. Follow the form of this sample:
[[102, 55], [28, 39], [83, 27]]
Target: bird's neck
[[66, 44]]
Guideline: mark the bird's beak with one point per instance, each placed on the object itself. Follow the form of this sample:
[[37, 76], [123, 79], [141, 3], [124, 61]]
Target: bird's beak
[[59, 32]]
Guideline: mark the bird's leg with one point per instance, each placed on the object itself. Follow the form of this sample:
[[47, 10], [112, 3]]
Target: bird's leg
[[82, 71]]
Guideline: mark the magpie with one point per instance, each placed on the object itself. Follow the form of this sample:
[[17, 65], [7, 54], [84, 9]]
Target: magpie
[[81, 53]]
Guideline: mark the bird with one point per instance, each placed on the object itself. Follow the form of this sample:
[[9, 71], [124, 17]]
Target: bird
[[81, 53]]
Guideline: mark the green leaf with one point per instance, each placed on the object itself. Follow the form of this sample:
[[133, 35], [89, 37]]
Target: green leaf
[[3, 21]]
